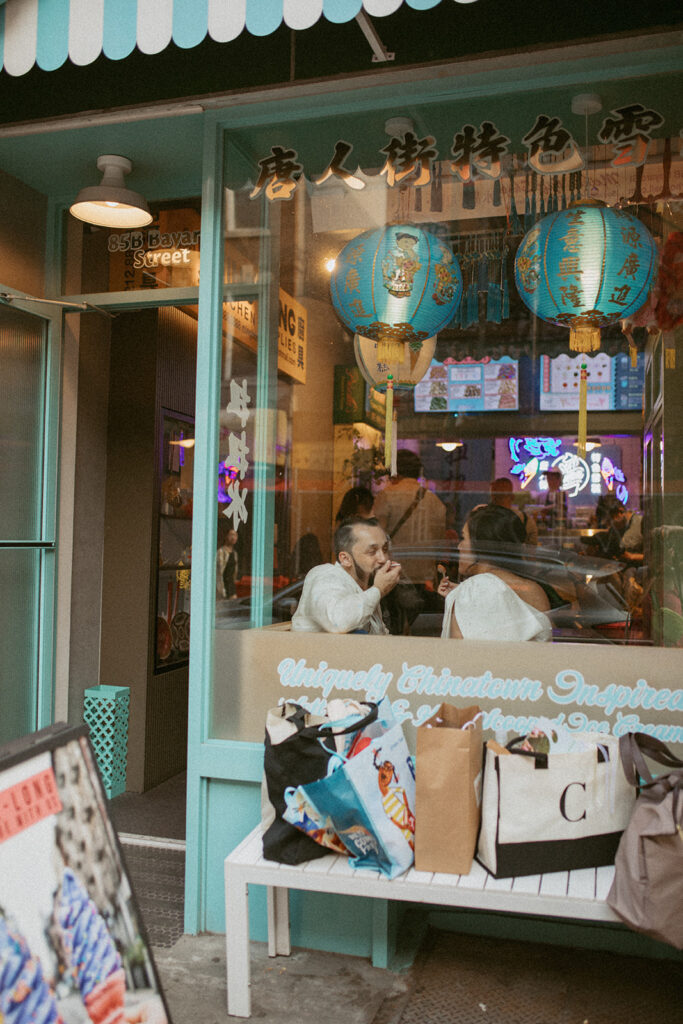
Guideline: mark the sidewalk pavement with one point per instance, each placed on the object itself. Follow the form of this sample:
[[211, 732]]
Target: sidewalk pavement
[[308, 987]]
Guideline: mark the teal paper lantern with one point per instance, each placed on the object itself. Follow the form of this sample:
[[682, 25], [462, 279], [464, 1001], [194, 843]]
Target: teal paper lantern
[[584, 268], [397, 286]]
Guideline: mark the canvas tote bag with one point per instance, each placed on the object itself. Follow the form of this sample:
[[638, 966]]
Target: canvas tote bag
[[647, 891], [556, 811], [448, 781]]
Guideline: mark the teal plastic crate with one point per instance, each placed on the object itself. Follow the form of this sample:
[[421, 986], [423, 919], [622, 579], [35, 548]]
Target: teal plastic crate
[[106, 711]]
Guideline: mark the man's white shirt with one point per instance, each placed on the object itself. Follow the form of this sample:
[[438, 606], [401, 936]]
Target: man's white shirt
[[332, 602]]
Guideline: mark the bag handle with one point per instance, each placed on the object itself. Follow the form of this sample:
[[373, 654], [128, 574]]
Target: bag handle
[[632, 747], [540, 758], [360, 723]]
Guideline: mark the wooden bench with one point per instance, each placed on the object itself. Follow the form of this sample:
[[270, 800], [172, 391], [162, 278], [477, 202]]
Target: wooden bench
[[576, 895]]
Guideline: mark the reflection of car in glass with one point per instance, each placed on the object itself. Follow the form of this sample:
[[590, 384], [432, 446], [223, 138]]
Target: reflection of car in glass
[[586, 604], [236, 613]]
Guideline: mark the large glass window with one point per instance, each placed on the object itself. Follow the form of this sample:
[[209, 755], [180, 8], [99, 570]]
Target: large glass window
[[333, 222], [25, 543]]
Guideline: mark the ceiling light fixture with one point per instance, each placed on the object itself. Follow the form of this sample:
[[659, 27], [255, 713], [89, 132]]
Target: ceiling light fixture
[[110, 204], [449, 446]]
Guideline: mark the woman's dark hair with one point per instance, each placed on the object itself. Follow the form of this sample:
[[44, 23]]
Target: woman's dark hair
[[357, 501], [493, 526]]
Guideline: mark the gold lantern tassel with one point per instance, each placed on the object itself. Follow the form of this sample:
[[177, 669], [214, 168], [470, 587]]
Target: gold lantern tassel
[[389, 350], [633, 352], [388, 421], [584, 339], [669, 352], [583, 413]]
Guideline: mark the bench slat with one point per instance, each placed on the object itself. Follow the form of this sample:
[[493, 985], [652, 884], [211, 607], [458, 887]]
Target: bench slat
[[476, 879], [527, 885], [604, 876], [582, 883], [554, 883]]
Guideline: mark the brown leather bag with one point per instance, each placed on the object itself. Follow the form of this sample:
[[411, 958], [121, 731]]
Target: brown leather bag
[[648, 880]]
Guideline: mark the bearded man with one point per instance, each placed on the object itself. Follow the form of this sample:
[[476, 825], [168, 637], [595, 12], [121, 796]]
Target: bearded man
[[345, 597]]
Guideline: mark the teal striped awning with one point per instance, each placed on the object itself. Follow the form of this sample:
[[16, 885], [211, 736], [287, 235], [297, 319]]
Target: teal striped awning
[[47, 33]]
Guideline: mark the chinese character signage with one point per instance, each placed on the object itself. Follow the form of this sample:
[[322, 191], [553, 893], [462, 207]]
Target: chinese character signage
[[472, 152], [469, 386], [613, 384]]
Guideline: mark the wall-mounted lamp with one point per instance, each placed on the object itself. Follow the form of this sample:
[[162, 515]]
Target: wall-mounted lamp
[[187, 442], [449, 446], [110, 204]]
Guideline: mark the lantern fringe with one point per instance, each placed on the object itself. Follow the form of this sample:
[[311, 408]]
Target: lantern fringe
[[669, 358], [388, 422], [584, 339], [583, 413], [389, 350]]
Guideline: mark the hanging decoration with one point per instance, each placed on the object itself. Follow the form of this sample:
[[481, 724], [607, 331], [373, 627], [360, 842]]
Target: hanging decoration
[[395, 288], [483, 260], [399, 374], [584, 268], [583, 412]]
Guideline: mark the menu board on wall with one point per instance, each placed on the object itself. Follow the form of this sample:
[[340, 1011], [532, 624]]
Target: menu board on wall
[[486, 386], [613, 384]]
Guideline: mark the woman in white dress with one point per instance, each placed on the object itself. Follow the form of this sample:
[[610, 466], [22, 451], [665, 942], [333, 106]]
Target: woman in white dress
[[492, 602]]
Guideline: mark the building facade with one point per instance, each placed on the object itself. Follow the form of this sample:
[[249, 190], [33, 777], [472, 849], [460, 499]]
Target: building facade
[[151, 409]]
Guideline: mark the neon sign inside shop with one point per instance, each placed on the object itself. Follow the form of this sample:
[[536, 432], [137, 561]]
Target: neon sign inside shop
[[533, 456]]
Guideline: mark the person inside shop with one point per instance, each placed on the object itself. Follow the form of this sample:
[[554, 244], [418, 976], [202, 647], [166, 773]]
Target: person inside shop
[[411, 514], [623, 539], [226, 562], [555, 515], [502, 493], [345, 597], [492, 602], [415, 520], [358, 501]]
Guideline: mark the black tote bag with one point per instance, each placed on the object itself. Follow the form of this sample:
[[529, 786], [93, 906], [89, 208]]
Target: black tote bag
[[295, 756]]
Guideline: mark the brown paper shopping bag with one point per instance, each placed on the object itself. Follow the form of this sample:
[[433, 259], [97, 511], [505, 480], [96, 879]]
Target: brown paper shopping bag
[[448, 790]]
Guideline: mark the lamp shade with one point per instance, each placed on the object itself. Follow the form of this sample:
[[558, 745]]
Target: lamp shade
[[584, 268], [406, 370], [396, 285], [110, 204]]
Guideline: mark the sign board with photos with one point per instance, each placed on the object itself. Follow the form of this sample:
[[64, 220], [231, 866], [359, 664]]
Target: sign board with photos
[[469, 386], [72, 942]]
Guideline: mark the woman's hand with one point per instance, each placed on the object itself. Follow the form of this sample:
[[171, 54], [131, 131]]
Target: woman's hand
[[445, 586]]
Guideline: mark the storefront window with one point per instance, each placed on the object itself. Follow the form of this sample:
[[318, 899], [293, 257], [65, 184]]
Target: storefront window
[[165, 254], [493, 415]]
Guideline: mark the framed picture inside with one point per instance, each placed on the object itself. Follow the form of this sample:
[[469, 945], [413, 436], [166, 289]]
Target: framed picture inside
[[72, 943]]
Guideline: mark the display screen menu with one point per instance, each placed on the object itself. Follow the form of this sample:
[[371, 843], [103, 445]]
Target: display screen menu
[[613, 384], [469, 386]]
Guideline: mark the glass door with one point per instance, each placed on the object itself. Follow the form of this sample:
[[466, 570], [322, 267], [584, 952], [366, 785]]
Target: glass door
[[27, 523]]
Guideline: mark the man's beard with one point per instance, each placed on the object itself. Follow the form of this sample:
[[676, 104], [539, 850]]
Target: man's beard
[[365, 579]]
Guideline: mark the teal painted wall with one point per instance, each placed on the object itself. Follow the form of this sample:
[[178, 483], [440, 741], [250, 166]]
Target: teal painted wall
[[334, 923]]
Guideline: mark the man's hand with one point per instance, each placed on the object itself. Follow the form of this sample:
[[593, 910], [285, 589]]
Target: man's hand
[[387, 576]]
